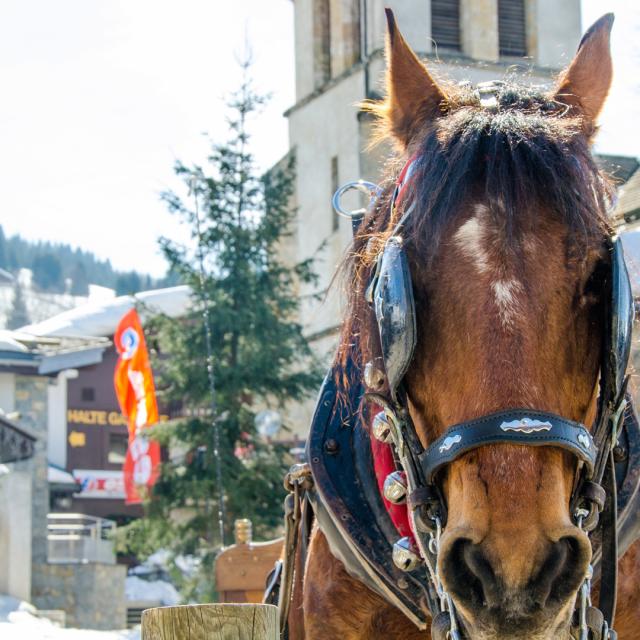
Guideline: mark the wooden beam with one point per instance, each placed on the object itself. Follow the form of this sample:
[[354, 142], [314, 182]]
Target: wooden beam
[[211, 622]]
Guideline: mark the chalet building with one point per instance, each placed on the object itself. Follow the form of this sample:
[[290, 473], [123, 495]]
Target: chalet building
[[339, 51], [92, 445], [34, 372]]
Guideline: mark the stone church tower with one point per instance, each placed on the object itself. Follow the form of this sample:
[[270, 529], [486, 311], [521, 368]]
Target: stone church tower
[[339, 51]]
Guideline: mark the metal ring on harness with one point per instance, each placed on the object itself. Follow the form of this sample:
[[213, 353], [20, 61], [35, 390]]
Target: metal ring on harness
[[368, 188]]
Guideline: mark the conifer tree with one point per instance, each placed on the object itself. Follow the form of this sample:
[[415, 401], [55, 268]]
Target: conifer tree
[[260, 356]]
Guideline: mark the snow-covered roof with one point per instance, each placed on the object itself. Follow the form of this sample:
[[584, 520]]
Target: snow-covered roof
[[47, 355], [100, 318], [9, 342]]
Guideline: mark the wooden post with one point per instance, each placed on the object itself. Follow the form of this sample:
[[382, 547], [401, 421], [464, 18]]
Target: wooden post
[[211, 622]]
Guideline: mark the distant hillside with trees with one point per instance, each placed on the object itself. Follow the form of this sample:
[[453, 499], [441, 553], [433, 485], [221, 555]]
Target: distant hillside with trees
[[59, 267]]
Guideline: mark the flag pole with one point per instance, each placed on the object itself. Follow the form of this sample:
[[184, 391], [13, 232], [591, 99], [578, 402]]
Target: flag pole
[[210, 368]]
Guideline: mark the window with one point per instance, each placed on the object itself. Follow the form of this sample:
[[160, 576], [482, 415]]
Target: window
[[512, 28], [354, 45], [118, 443], [88, 394], [445, 24], [321, 42], [335, 221]]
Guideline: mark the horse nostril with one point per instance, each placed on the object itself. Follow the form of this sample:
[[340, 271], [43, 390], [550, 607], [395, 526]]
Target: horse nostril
[[562, 572], [472, 581], [468, 574]]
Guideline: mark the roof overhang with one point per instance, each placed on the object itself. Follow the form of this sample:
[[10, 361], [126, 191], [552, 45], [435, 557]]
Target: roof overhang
[[48, 357], [71, 360]]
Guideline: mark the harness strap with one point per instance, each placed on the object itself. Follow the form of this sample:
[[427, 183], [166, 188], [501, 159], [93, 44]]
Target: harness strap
[[519, 426], [609, 517], [297, 482]]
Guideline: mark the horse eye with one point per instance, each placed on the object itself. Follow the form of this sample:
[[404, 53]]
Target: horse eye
[[594, 286]]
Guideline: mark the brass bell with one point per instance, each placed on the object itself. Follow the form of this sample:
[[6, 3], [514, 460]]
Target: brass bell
[[405, 556], [395, 487], [373, 377], [381, 428]]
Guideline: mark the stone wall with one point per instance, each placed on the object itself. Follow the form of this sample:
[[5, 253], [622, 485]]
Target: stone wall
[[15, 543], [31, 403], [92, 595]]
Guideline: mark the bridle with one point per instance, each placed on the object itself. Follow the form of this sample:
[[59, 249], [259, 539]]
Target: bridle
[[593, 502]]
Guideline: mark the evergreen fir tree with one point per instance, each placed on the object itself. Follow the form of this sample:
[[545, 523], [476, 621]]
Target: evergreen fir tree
[[260, 355], [128, 283], [79, 279], [47, 272], [18, 315]]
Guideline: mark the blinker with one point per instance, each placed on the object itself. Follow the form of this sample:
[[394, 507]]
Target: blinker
[[395, 312], [620, 321]]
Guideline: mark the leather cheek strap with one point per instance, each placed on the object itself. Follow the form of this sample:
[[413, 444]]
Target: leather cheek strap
[[516, 426]]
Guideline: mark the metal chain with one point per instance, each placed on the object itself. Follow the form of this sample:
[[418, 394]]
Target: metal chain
[[585, 604], [585, 589], [446, 604], [210, 369]]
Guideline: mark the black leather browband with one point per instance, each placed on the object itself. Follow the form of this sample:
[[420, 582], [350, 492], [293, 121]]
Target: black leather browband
[[516, 426]]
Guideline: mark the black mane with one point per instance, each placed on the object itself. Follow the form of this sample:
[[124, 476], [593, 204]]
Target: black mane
[[524, 154]]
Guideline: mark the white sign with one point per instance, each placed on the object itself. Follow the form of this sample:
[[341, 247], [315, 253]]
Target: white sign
[[98, 483]]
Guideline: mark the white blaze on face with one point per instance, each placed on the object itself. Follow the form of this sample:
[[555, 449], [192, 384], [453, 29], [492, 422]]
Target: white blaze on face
[[506, 296], [470, 239]]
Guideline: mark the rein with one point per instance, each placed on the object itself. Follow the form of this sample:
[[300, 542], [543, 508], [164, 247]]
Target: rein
[[415, 482]]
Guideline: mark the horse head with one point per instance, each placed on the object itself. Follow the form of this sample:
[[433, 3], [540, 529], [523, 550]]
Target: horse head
[[508, 246]]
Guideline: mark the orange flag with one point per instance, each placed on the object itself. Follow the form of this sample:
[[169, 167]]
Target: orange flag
[[136, 393], [133, 378], [140, 469]]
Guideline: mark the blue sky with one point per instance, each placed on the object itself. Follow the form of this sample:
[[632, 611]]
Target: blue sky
[[101, 96]]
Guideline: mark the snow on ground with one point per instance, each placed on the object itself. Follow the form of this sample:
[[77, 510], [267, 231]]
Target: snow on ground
[[137, 589], [19, 621]]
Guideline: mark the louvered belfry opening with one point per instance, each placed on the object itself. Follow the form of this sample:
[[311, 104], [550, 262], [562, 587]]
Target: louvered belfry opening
[[512, 28], [321, 42], [445, 24]]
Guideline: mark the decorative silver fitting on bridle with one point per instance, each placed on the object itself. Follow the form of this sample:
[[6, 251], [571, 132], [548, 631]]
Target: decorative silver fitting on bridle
[[373, 377], [487, 93], [368, 188], [395, 487], [405, 556], [381, 428]]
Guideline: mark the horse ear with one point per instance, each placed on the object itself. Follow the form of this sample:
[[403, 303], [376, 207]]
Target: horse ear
[[584, 85], [413, 97]]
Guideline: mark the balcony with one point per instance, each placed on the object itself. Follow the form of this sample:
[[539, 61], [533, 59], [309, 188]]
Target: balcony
[[74, 538]]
